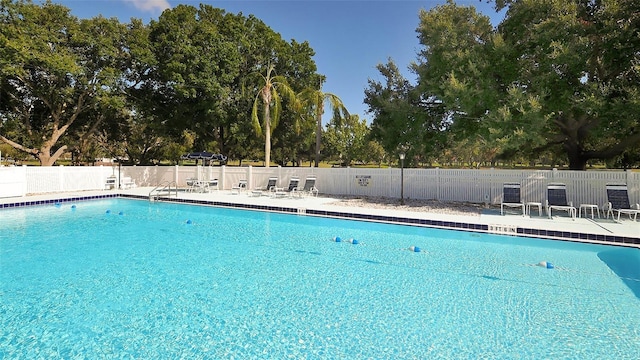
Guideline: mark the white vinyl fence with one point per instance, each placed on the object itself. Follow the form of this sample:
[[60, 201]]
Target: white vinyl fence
[[456, 185]]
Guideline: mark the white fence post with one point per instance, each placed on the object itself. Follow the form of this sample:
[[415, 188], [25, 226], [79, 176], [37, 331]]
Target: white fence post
[[61, 177], [390, 182], [349, 180], [438, 196]]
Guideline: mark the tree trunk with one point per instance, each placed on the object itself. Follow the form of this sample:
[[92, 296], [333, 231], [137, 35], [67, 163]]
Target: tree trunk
[[223, 144], [267, 135], [577, 159], [318, 137]]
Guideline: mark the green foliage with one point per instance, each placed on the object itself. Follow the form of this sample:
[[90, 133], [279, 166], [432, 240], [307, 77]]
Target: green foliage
[[374, 153], [314, 100], [268, 96], [557, 76], [69, 84], [405, 120], [174, 149], [54, 69], [347, 139]]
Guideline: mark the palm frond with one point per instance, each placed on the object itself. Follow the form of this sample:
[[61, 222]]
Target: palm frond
[[255, 120], [277, 108]]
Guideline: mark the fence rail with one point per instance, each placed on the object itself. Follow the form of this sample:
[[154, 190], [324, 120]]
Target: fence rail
[[455, 185]]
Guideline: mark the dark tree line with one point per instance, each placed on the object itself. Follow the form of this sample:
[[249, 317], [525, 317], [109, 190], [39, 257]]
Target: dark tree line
[[144, 92], [556, 82]]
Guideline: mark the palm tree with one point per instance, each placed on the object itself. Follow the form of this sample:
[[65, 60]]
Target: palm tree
[[269, 93], [316, 99]]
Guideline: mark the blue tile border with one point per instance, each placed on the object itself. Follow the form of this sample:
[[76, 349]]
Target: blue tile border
[[537, 233], [55, 201], [462, 226]]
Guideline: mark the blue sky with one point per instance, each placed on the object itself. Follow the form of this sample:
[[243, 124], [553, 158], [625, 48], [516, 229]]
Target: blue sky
[[349, 37]]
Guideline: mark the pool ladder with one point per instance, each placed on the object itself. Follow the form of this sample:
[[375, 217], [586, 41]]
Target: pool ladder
[[165, 189]]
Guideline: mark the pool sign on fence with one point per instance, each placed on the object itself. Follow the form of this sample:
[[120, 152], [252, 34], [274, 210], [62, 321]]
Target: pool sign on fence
[[363, 180]]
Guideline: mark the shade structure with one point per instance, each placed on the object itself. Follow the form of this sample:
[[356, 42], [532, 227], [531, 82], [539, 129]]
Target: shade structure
[[204, 155]]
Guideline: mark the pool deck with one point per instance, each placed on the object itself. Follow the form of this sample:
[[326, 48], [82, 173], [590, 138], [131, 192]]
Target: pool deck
[[598, 230]]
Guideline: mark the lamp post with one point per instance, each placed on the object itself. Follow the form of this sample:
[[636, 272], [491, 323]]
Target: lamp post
[[119, 172], [401, 178]]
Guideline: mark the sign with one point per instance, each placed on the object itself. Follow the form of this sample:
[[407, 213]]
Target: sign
[[363, 180]]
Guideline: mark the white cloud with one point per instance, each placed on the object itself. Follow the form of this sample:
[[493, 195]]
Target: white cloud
[[150, 5]]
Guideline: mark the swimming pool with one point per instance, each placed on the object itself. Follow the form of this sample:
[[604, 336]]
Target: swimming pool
[[133, 279]]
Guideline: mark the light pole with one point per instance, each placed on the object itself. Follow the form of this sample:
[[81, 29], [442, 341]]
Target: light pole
[[119, 172], [401, 178]]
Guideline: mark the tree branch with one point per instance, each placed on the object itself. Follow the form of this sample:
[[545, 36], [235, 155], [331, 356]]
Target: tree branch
[[17, 146], [616, 149]]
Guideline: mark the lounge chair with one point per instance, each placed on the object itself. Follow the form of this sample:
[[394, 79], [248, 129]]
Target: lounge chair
[[618, 200], [237, 189], [511, 197], [309, 187], [288, 191], [557, 200], [270, 187]]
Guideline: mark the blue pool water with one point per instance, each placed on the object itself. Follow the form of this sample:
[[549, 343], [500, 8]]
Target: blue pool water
[[140, 282]]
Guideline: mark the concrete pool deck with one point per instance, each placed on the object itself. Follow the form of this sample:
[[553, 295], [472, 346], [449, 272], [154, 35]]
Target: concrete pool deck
[[585, 229]]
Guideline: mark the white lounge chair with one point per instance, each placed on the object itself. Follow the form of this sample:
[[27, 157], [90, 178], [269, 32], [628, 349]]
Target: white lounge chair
[[618, 200], [288, 191], [309, 187], [511, 197], [269, 188], [557, 200], [237, 189]]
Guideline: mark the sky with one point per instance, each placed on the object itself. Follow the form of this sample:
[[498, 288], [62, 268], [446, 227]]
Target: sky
[[350, 37]]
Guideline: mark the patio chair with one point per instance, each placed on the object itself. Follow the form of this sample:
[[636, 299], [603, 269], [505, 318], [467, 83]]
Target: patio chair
[[237, 189], [309, 187], [270, 187], [201, 186], [557, 200], [213, 184], [128, 183], [110, 183], [511, 197], [618, 200], [193, 184], [288, 191]]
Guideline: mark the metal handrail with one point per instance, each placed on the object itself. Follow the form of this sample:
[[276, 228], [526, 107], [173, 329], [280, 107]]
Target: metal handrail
[[165, 189]]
